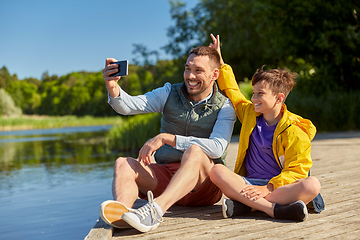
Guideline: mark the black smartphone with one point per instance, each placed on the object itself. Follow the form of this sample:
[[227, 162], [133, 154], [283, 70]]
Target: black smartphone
[[122, 68]]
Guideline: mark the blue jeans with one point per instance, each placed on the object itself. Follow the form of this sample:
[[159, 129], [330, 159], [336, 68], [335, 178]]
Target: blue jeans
[[256, 181]]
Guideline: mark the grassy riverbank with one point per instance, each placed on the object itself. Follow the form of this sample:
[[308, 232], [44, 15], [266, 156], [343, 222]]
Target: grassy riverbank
[[26, 122]]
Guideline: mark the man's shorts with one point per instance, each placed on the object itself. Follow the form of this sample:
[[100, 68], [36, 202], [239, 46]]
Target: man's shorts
[[207, 194]]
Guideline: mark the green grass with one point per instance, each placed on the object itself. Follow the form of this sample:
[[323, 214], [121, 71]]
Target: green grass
[[44, 122], [134, 132]]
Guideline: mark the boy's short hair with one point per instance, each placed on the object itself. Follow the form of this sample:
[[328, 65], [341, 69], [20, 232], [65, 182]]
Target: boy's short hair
[[280, 81], [213, 55]]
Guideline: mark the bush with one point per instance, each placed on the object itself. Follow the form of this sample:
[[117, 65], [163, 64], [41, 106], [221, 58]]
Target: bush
[[332, 111], [7, 105], [133, 132]]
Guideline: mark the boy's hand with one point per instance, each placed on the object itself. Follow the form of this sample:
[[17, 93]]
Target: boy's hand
[[255, 192], [216, 46]]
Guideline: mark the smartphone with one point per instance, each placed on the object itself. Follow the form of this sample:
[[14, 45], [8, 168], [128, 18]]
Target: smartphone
[[122, 68]]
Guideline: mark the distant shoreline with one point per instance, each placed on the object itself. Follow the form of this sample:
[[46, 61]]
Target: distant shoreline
[[30, 122]]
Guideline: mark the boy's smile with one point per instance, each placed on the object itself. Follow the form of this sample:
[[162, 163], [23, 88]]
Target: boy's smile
[[267, 103], [263, 98]]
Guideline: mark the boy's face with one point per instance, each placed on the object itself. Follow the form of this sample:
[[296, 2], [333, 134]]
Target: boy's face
[[199, 77], [263, 98]]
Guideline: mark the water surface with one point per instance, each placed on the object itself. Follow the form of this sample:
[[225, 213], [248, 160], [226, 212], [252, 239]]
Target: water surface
[[53, 181]]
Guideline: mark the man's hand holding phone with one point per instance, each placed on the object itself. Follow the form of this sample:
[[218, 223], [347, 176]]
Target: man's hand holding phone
[[122, 68], [112, 73]]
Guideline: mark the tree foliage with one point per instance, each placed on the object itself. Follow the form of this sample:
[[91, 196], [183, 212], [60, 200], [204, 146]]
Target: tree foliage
[[84, 93], [301, 35]]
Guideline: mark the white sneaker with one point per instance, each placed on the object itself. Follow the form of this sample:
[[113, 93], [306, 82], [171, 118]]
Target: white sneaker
[[145, 218], [111, 212]]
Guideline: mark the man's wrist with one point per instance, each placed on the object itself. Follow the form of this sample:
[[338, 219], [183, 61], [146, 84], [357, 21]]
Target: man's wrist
[[113, 90], [168, 139]]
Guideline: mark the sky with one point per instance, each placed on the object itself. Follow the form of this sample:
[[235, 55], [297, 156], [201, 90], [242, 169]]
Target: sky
[[63, 36]]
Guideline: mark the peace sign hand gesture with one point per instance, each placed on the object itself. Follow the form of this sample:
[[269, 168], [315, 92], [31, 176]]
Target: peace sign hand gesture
[[216, 46]]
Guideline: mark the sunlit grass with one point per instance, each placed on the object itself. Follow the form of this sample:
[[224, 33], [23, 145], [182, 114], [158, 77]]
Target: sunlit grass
[[134, 132], [45, 122]]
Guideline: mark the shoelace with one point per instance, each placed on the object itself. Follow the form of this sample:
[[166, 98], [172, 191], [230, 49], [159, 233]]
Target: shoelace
[[149, 209]]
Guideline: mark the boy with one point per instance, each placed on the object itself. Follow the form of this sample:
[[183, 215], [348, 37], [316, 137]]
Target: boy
[[274, 149]]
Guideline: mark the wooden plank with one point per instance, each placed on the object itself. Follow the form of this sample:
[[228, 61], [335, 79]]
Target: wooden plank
[[100, 231], [336, 163]]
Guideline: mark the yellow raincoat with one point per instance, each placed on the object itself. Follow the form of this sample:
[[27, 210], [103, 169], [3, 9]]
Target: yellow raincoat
[[292, 136]]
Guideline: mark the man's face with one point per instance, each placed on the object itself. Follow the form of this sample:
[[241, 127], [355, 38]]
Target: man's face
[[199, 77]]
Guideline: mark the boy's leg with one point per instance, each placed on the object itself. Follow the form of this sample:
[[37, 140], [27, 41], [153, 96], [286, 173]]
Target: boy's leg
[[305, 189], [231, 185]]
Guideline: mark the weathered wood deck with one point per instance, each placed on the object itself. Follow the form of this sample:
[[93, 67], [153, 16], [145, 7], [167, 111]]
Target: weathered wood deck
[[336, 163]]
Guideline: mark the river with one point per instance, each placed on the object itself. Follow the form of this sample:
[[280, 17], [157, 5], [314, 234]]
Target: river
[[53, 181]]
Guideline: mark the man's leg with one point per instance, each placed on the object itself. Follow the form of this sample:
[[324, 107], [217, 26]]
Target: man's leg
[[130, 176], [193, 172]]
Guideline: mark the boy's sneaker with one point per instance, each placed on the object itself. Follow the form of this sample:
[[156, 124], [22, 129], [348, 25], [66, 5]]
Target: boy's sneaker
[[145, 218], [111, 212], [233, 208], [296, 211]]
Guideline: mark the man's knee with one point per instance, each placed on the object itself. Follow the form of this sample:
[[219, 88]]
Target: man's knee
[[126, 165], [194, 150], [121, 162], [194, 154]]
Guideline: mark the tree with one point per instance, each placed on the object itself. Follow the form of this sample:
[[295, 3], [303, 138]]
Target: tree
[[322, 34], [25, 95], [5, 77]]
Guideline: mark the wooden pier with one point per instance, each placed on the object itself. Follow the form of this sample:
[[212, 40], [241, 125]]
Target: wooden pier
[[336, 163]]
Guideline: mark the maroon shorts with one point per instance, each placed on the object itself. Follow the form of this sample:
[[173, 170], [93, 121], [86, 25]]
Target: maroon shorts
[[207, 194]]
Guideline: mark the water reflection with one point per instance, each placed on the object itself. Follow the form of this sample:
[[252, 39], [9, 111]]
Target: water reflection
[[53, 181], [51, 147]]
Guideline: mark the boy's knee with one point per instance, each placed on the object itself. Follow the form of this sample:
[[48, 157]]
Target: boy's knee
[[312, 185]]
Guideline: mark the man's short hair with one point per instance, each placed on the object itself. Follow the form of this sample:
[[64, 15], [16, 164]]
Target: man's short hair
[[279, 80], [213, 55]]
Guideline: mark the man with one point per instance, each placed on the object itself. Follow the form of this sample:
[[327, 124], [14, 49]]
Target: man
[[196, 127]]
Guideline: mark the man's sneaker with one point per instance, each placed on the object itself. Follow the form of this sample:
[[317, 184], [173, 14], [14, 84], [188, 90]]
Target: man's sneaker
[[145, 218], [111, 212], [232, 208], [296, 211]]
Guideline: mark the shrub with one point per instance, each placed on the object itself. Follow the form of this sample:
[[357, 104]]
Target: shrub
[[7, 105], [133, 132]]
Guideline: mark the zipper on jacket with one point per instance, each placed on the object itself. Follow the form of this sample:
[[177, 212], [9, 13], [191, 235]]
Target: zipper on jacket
[[189, 117], [188, 121]]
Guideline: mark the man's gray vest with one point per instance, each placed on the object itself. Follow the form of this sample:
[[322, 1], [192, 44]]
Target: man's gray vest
[[180, 117]]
